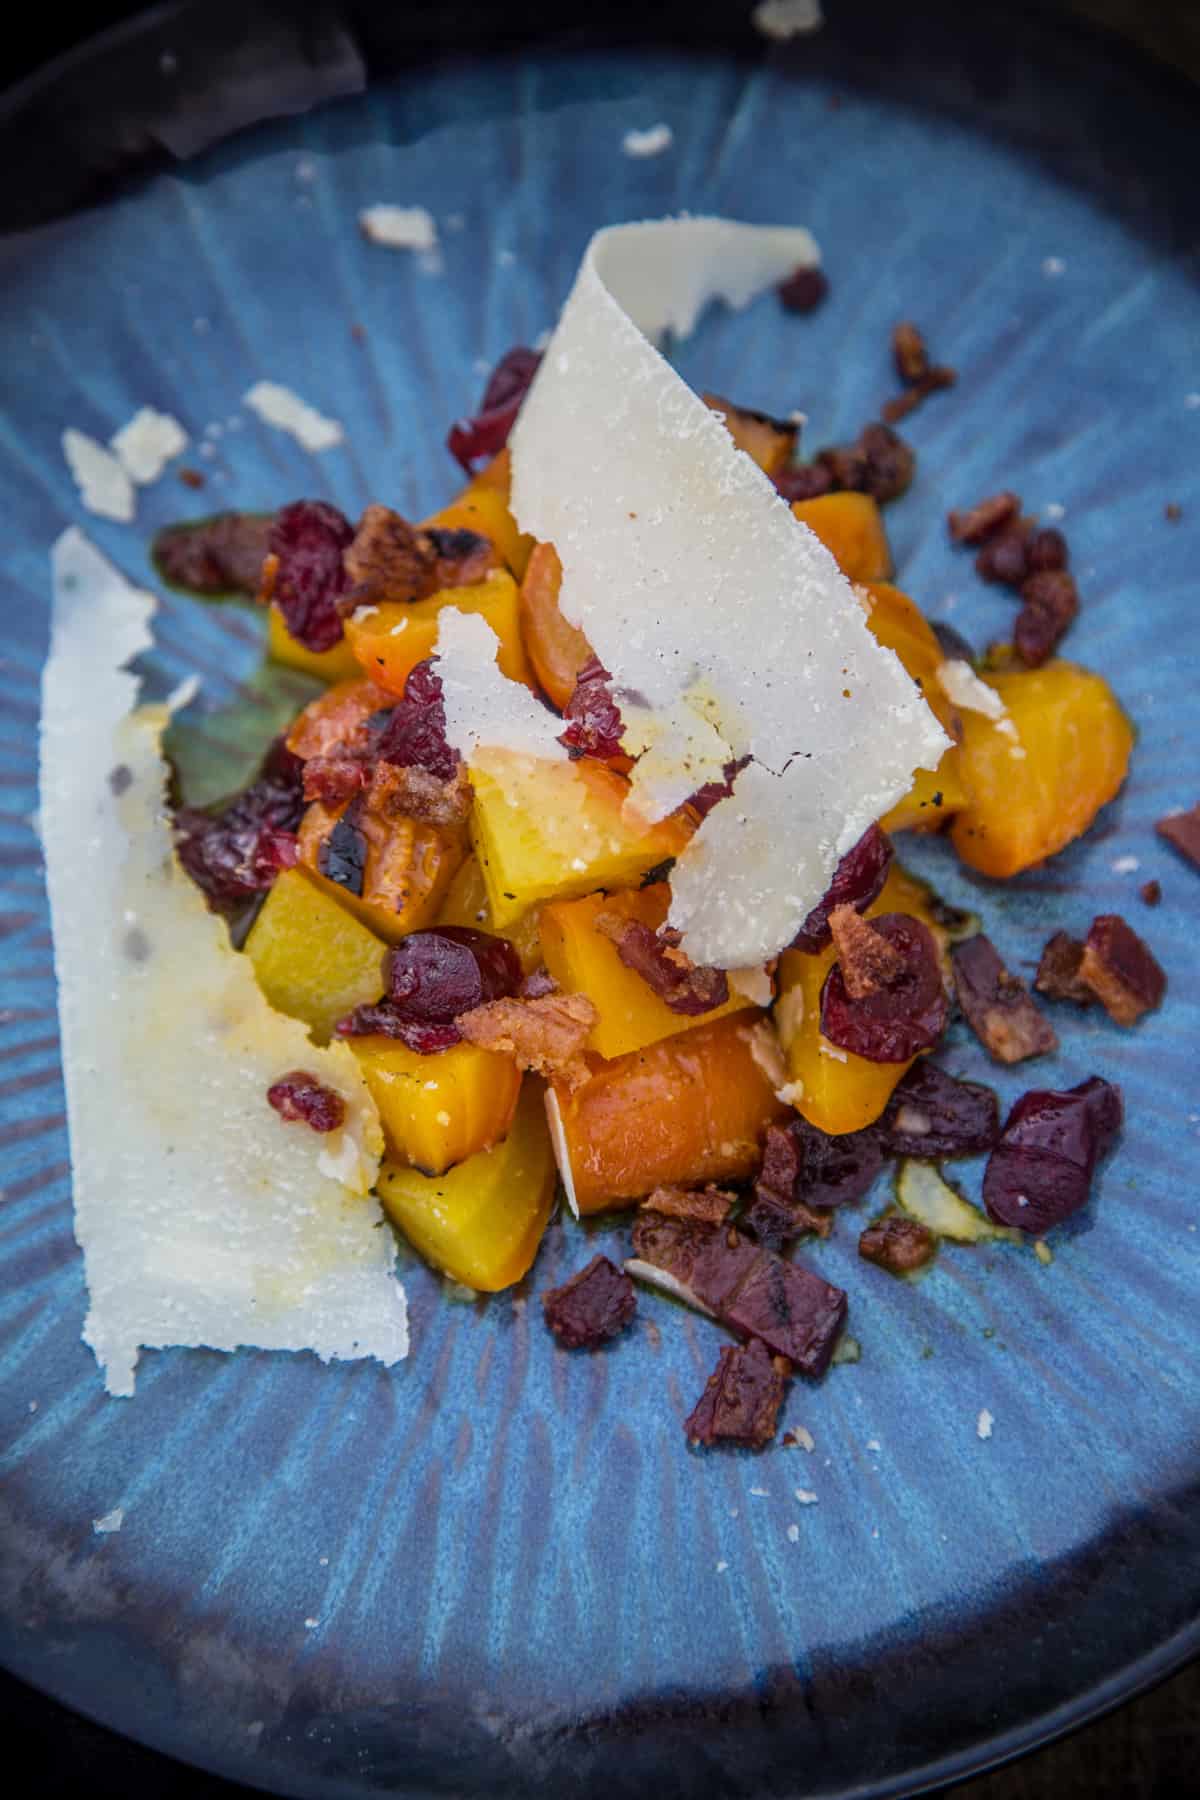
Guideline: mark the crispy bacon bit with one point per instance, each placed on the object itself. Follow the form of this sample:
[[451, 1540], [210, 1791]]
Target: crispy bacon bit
[[309, 579], [667, 970], [741, 1399], [898, 1245], [711, 1205], [382, 1018], [909, 352], [460, 557], [769, 442], [1041, 1170], [545, 1035], [857, 880], [595, 1305], [805, 1172], [389, 559], [1182, 832], [879, 463], [1117, 965], [867, 961], [483, 435], [893, 1021], [1151, 892], [410, 792], [191, 478], [1058, 971], [593, 719], [223, 555], [300, 1098], [804, 290], [973, 524], [935, 378], [1172, 512], [1051, 601], [998, 1006], [932, 1115]]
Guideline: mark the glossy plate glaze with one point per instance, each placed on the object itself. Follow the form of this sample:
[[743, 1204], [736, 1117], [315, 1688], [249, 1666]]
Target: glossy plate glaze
[[499, 1569]]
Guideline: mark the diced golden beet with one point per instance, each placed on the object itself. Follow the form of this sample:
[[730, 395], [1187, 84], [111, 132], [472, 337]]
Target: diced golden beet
[[337, 664], [901, 626], [409, 866], [768, 442], [336, 716], [483, 507], [1076, 742], [438, 1110], [389, 640], [466, 903], [691, 1108], [932, 798], [312, 958], [584, 961], [851, 528], [482, 1221], [554, 830], [556, 650]]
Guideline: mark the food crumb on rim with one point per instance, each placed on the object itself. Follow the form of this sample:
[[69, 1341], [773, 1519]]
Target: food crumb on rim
[[984, 1423], [806, 1497]]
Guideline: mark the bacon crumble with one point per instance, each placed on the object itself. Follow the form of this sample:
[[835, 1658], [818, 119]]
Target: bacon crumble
[[546, 1035]]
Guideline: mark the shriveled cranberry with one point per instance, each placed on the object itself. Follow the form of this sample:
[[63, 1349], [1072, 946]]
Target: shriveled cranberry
[[706, 797], [431, 977], [894, 1022], [807, 481], [236, 852], [932, 1115], [974, 524], [857, 880], [301, 1099], [1047, 549], [414, 734], [805, 1170], [1005, 557], [1041, 1170], [484, 434], [593, 719], [804, 289], [383, 1019], [309, 537]]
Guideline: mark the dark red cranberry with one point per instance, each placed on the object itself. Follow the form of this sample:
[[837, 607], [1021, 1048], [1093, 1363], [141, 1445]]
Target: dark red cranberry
[[975, 524], [430, 977], [857, 880], [1005, 558], [706, 797], [484, 434], [1046, 549], [309, 537], [593, 719], [1041, 1170], [807, 481], [382, 1019], [414, 734], [893, 1022], [236, 853], [301, 1099], [804, 289]]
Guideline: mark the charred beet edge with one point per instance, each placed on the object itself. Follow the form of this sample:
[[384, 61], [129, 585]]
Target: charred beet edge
[[596, 1304], [309, 539], [898, 1245], [998, 1006], [484, 434], [593, 719], [342, 857], [679, 983], [857, 880], [804, 1169], [235, 853], [1041, 1170], [933, 1115], [299, 1097], [741, 1399], [414, 735], [429, 979], [895, 1021], [753, 1291], [214, 557]]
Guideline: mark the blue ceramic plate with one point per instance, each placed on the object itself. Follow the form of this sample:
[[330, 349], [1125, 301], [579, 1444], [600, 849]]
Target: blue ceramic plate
[[499, 1568]]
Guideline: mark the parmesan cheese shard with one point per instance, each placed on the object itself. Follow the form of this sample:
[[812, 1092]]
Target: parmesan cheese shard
[[279, 406], [701, 594], [204, 1219], [484, 709]]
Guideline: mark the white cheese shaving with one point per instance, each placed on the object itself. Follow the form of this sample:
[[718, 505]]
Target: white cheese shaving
[[984, 1423], [484, 709], [103, 483], [963, 687], [648, 143], [109, 1522], [279, 406], [399, 227], [767, 1052], [146, 445], [689, 575], [204, 1219], [754, 984], [783, 19], [558, 1143]]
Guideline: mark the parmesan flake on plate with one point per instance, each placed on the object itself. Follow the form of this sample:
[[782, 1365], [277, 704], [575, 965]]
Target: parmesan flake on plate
[[399, 227], [102, 479], [203, 1217], [277, 405], [147, 443]]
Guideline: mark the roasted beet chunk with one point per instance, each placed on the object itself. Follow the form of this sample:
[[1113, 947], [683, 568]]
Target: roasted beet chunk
[[309, 538], [893, 1019], [415, 732], [483, 435], [857, 880], [898, 1245], [680, 983], [222, 555], [593, 719], [1041, 1170], [805, 1168], [593, 1306], [1051, 601], [1120, 969], [1182, 832], [932, 1115], [299, 1097], [235, 853], [741, 1399], [793, 1311], [998, 1006], [804, 289]]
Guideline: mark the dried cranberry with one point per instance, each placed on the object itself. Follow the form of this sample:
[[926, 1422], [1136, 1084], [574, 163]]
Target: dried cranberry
[[909, 352], [932, 1115], [892, 1023], [706, 797], [1051, 601], [857, 880], [801, 1162], [593, 719], [1041, 1170], [804, 289], [300, 1098], [596, 1304], [236, 852], [381, 1019], [484, 434], [1047, 549], [309, 537], [973, 524], [888, 462], [414, 735], [1005, 557], [807, 481], [430, 977]]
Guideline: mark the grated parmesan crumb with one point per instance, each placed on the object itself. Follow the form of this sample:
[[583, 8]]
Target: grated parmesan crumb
[[146, 445], [1125, 865], [759, 1493], [806, 1497], [648, 143], [721, 1567], [109, 1522], [784, 19], [793, 1533], [983, 1424], [103, 482], [1053, 265], [279, 406], [399, 227]]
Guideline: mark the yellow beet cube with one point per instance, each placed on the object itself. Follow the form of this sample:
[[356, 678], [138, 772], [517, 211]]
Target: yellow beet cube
[[338, 664], [851, 528], [583, 960], [313, 959], [390, 639], [438, 1110], [466, 903], [482, 1221], [554, 830], [483, 507]]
